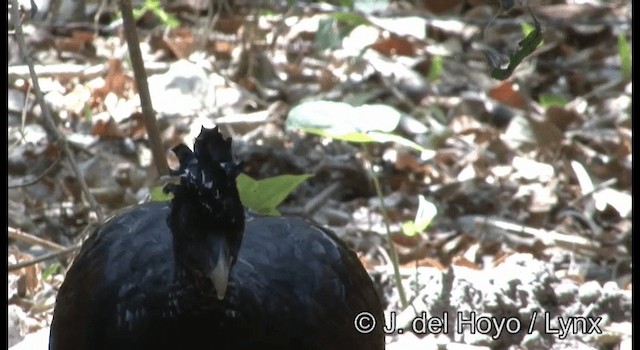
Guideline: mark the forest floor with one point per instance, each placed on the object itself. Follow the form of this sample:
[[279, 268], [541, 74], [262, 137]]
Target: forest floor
[[508, 202]]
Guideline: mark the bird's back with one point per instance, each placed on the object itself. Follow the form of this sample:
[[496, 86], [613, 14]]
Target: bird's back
[[294, 286], [121, 270], [306, 282]]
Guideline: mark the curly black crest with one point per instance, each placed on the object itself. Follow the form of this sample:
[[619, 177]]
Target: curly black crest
[[208, 174]]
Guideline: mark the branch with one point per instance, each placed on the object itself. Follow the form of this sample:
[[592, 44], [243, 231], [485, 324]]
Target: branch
[[133, 43], [14, 233], [51, 125], [44, 257], [35, 179]]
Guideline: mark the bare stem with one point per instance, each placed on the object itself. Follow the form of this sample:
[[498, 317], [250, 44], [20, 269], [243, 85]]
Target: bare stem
[[392, 248], [50, 123], [133, 43]]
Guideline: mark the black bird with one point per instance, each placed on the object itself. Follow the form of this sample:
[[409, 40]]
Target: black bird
[[201, 272]]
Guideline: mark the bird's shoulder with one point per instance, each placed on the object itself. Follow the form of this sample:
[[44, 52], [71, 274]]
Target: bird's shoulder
[[129, 257], [296, 280], [289, 263]]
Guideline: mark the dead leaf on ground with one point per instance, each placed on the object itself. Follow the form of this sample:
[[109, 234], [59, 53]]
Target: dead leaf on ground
[[116, 81], [394, 46]]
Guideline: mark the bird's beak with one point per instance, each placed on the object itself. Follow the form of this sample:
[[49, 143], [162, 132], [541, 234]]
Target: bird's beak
[[220, 263]]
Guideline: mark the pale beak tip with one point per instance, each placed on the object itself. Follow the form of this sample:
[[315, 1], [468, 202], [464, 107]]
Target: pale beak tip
[[220, 273]]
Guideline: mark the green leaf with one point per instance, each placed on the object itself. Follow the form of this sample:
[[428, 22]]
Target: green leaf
[[86, 112], [386, 137], [168, 19], [50, 270], [137, 13], [356, 137], [427, 211], [528, 45], [264, 196], [350, 18], [624, 50], [346, 3], [155, 7], [527, 28], [261, 196], [328, 36], [341, 121], [435, 70], [158, 195], [340, 118], [362, 137], [548, 100]]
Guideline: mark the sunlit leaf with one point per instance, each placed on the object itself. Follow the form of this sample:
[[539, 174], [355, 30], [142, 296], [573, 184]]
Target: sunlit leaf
[[158, 195], [328, 35], [386, 137], [264, 196], [435, 70], [346, 3], [624, 50], [527, 28], [350, 18], [340, 118], [427, 211], [528, 45], [362, 137], [50, 270], [155, 7], [341, 121], [548, 100]]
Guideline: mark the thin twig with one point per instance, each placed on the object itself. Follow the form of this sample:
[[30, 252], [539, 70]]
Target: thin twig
[[23, 117], [392, 248], [37, 178], [133, 43], [317, 201], [385, 255], [69, 71], [96, 17], [45, 257], [212, 19], [596, 188], [14, 233], [59, 138], [63, 71], [496, 229]]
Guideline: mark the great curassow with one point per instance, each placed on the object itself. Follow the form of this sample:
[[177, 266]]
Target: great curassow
[[201, 272]]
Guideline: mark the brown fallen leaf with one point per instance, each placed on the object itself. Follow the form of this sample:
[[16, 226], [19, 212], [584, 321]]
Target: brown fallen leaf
[[508, 93], [180, 41], [394, 46], [115, 81]]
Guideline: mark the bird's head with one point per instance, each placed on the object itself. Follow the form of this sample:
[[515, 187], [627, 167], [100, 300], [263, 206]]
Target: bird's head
[[207, 217]]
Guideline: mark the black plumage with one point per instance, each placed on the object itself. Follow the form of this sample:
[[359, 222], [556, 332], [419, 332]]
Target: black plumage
[[155, 276]]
